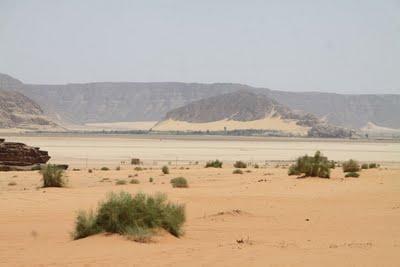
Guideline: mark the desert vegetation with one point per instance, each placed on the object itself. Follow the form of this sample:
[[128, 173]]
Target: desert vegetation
[[237, 171], [352, 174], [136, 216], [53, 176], [240, 165], [165, 170], [134, 181], [351, 166], [179, 182], [214, 164], [120, 182], [105, 169], [311, 166]]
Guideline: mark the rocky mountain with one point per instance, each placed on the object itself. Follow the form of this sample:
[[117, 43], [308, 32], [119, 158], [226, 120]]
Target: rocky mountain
[[244, 110], [18, 111], [128, 101]]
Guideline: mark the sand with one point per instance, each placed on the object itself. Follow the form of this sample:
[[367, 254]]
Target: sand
[[95, 151], [283, 221], [267, 123]]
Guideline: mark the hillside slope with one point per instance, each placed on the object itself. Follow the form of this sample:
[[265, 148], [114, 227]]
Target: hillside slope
[[243, 110]]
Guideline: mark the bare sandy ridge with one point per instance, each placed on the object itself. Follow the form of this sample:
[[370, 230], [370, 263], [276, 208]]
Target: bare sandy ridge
[[282, 221]]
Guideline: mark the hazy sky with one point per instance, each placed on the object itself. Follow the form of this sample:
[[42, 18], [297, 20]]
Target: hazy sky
[[343, 46]]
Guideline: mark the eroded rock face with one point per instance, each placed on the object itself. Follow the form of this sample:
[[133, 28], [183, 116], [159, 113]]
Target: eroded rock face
[[19, 154]]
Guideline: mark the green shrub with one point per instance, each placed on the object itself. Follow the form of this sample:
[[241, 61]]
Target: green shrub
[[364, 166], [52, 176], [134, 181], [151, 180], [179, 182], [214, 164], [373, 165], [134, 216], [240, 164], [351, 166], [165, 170], [331, 164], [104, 169], [120, 182], [316, 166], [352, 174], [237, 171]]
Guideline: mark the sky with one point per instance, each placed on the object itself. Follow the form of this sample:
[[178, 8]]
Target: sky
[[342, 46]]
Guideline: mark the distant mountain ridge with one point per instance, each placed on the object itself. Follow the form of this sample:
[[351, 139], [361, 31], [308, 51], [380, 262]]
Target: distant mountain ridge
[[130, 101]]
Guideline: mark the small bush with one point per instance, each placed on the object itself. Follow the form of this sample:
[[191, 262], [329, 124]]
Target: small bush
[[364, 166], [135, 161], [237, 171], [52, 176], [134, 216], [373, 165], [118, 168], [90, 171], [350, 166], [151, 180], [104, 169], [214, 164], [12, 183], [165, 170], [256, 166], [316, 166], [138, 169], [134, 181], [76, 169], [240, 164], [352, 174], [331, 164], [120, 182], [179, 182]]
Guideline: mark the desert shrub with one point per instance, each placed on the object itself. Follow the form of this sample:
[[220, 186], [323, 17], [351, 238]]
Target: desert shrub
[[165, 170], [12, 183], [76, 169], [134, 181], [373, 165], [364, 166], [240, 164], [351, 166], [90, 171], [237, 171], [314, 166], [352, 174], [104, 169], [179, 182], [134, 216], [331, 164], [256, 166], [138, 169], [135, 161], [118, 168], [214, 164], [52, 176], [120, 182], [151, 180]]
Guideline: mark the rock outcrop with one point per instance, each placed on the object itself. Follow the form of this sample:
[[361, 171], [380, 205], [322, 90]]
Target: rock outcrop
[[19, 154]]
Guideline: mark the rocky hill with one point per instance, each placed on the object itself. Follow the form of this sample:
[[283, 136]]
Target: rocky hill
[[127, 101], [244, 110], [18, 111]]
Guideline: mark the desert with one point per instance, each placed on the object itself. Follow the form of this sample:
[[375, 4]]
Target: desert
[[262, 217]]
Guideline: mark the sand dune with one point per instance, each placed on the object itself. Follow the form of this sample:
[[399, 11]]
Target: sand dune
[[268, 123]]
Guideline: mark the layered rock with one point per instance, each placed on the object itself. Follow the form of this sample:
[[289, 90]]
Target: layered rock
[[19, 154]]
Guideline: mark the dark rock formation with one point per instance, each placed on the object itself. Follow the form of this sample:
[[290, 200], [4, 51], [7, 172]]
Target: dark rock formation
[[19, 154], [329, 131]]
